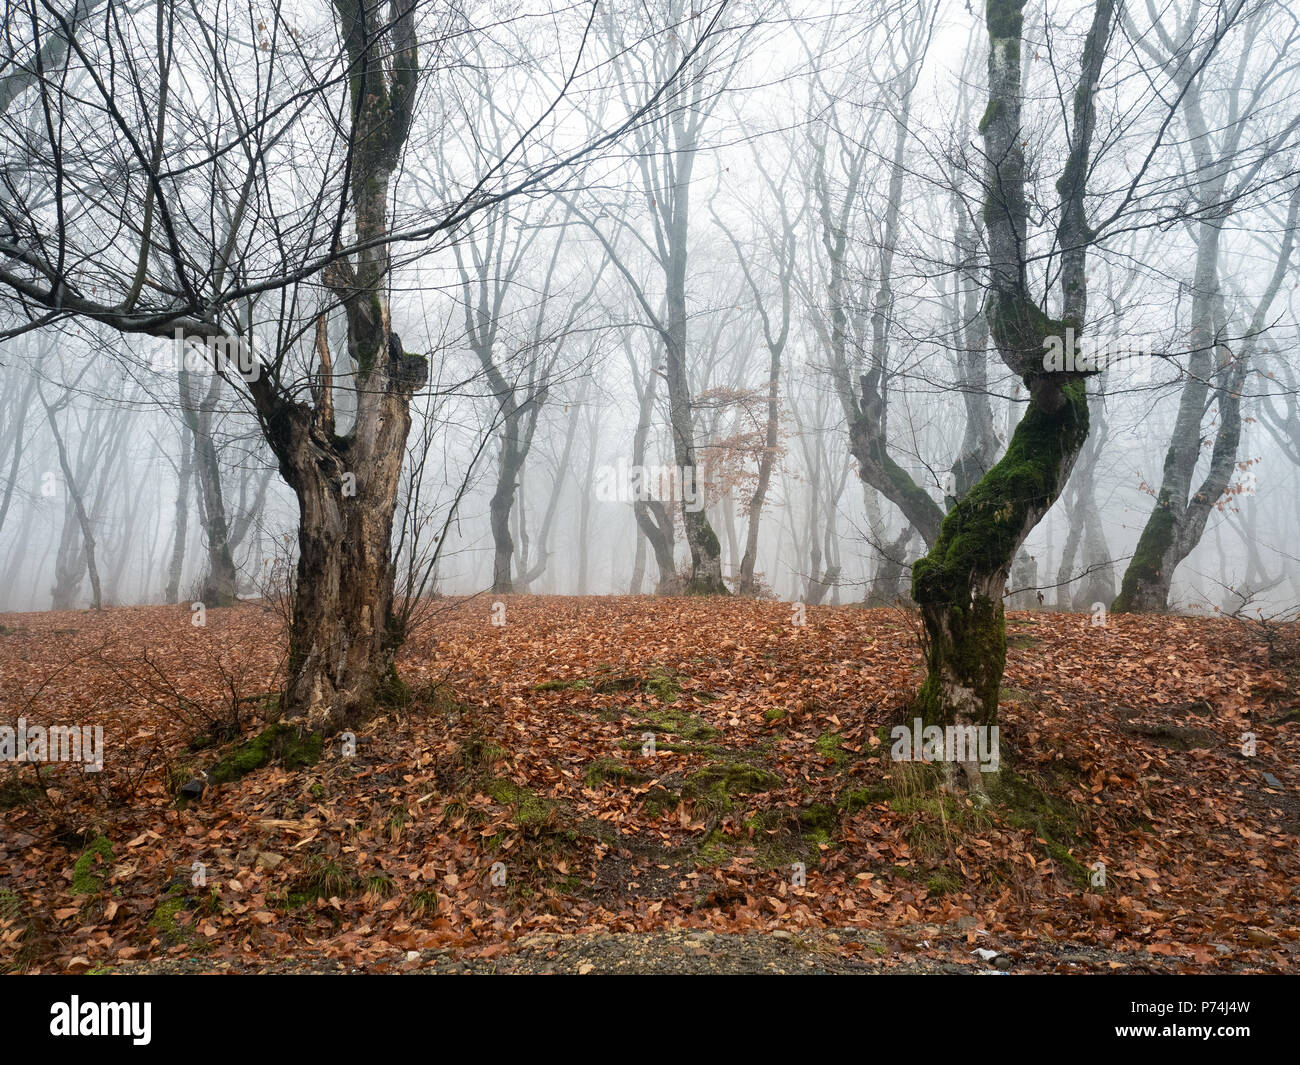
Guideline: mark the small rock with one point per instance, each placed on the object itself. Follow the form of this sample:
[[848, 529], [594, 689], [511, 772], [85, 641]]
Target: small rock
[[1272, 781], [1002, 962], [193, 789]]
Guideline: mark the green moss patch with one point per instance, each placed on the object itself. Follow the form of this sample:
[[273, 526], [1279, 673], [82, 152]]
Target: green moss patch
[[604, 770], [577, 684], [777, 837], [680, 723], [830, 745], [854, 799], [393, 692], [659, 800], [92, 867], [284, 743], [1055, 822], [531, 810], [944, 882], [715, 786], [663, 684], [169, 931]]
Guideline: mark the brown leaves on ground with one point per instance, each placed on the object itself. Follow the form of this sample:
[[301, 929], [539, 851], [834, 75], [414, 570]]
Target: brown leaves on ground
[[514, 794]]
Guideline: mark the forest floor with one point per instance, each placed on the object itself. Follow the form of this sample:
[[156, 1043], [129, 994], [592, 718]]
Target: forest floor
[[507, 813]]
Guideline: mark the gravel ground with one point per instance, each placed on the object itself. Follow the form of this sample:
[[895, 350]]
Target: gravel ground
[[923, 950]]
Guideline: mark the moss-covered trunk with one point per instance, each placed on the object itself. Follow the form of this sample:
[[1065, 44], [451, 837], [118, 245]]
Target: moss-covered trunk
[[959, 584], [1150, 572]]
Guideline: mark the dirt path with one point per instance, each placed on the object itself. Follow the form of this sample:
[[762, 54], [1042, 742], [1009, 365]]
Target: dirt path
[[844, 951]]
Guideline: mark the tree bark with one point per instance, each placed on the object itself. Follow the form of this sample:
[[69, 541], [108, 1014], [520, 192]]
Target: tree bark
[[69, 577]]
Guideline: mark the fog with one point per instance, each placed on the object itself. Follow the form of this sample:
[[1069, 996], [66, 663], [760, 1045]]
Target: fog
[[696, 286]]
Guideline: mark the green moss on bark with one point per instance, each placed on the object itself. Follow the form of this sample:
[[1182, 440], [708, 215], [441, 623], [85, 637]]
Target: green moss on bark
[[1005, 18], [976, 652], [715, 786], [977, 541], [1021, 326], [1143, 585]]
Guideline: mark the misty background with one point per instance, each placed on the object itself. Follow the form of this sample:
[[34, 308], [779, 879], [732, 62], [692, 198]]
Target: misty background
[[809, 209]]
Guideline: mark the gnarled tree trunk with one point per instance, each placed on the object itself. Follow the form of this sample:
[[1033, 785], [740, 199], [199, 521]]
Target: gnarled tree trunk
[[344, 636], [959, 585]]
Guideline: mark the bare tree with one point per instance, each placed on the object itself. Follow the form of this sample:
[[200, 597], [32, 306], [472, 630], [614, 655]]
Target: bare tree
[[138, 243], [1224, 174]]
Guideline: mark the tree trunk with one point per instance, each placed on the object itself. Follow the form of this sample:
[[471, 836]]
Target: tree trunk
[[960, 583], [182, 519], [344, 636], [65, 588], [706, 551], [584, 508], [888, 584], [499, 511], [553, 502], [653, 520], [16, 426], [765, 462], [221, 580], [1177, 521]]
